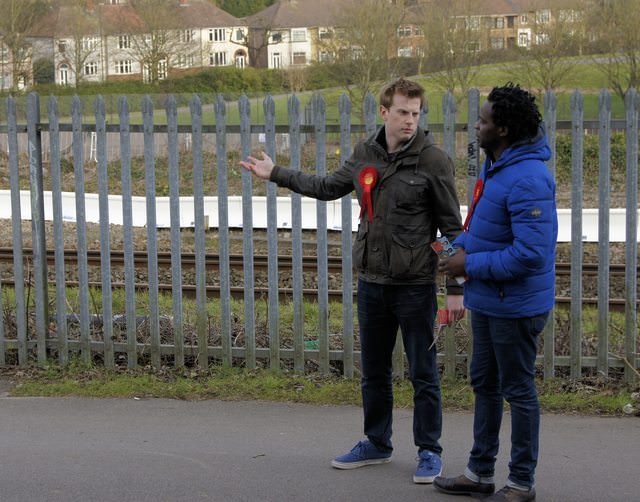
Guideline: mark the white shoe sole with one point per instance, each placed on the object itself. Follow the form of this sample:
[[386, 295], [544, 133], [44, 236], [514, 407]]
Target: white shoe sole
[[362, 463]]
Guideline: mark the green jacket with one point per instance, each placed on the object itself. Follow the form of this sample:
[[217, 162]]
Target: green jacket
[[413, 197]]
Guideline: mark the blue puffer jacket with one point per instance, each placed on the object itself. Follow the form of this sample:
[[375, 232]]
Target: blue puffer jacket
[[511, 238]]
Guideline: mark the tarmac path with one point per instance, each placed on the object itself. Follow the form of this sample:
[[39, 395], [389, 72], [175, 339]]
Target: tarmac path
[[129, 450]]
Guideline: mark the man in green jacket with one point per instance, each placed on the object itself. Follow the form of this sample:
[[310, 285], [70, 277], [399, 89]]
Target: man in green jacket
[[405, 186]]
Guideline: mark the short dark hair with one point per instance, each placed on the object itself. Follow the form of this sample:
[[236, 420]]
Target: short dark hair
[[515, 109], [403, 87]]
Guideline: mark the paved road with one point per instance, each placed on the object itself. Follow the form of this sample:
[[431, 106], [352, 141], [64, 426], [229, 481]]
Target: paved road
[[121, 450]]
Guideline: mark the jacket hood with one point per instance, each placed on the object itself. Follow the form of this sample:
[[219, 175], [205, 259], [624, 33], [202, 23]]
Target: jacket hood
[[535, 148]]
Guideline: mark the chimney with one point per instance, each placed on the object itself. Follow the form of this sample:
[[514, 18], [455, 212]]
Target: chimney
[[89, 5]]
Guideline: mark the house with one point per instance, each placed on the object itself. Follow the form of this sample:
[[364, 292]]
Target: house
[[120, 40], [287, 33]]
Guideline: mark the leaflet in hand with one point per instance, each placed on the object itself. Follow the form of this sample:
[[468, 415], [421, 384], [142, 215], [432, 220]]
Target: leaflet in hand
[[443, 248]]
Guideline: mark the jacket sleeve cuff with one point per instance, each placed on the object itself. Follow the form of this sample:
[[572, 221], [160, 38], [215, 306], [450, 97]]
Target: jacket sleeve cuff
[[274, 173], [453, 288]]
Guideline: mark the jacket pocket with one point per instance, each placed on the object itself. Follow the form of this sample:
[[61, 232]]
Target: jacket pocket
[[359, 247], [408, 256]]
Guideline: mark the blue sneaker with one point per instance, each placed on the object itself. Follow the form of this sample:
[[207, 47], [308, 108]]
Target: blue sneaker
[[364, 453], [429, 467]]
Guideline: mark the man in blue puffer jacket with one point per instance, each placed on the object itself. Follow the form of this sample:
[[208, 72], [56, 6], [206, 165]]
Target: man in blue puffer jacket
[[507, 253]]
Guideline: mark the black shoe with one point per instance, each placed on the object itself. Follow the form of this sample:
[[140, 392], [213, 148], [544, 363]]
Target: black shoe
[[462, 485], [508, 494]]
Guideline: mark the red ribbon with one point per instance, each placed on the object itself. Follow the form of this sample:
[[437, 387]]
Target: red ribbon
[[477, 193], [368, 178]]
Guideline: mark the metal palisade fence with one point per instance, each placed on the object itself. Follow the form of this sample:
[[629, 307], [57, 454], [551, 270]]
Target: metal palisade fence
[[41, 319]]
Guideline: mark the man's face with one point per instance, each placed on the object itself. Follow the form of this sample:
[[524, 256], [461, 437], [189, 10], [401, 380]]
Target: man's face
[[401, 119], [489, 135]]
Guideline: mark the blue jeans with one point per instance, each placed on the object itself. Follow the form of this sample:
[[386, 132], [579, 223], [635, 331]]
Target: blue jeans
[[503, 367], [381, 309]]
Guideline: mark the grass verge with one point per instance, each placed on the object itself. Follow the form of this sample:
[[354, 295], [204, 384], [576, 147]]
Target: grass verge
[[557, 396]]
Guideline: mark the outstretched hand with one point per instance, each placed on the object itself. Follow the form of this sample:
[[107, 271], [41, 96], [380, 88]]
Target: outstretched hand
[[261, 168]]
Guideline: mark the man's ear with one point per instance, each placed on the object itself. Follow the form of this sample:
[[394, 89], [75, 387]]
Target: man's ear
[[383, 112], [503, 131]]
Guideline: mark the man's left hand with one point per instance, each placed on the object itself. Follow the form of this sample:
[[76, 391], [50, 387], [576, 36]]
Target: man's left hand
[[453, 266], [455, 307]]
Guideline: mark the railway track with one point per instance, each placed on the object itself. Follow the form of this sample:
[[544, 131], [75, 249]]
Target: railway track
[[260, 263]]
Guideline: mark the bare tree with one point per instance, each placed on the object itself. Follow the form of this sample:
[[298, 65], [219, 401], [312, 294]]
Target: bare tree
[[161, 38], [557, 35], [452, 44], [84, 40], [17, 19], [362, 47], [616, 28]]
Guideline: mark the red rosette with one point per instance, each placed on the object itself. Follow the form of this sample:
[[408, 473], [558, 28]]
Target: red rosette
[[368, 179]]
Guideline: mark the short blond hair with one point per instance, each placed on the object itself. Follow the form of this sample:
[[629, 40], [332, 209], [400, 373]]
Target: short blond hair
[[403, 87]]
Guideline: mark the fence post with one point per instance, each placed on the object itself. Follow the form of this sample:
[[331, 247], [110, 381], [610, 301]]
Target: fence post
[[198, 216], [171, 108], [319, 121], [604, 191], [38, 237], [3, 340], [223, 230], [631, 252], [81, 228], [370, 114], [127, 233], [296, 239], [473, 153], [344, 107], [247, 236], [577, 150], [272, 237], [105, 247], [449, 118], [58, 235], [16, 226], [550, 113], [152, 243]]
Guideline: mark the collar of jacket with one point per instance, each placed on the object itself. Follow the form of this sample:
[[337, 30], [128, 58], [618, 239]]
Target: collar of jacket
[[420, 140], [534, 148]]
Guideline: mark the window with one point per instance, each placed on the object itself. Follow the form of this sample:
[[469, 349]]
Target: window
[[299, 58], [124, 42], [404, 52], [217, 35], [276, 60], [299, 35], [324, 57], [240, 35], [218, 59], [325, 33], [241, 59], [404, 31], [542, 38], [497, 43], [91, 68], [473, 46], [498, 23], [276, 38], [473, 22], [523, 39], [124, 66], [184, 61], [543, 16], [418, 32], [524, 19], [62, 45], [186, 35], [64, 74], [90, 43], [511, 21]]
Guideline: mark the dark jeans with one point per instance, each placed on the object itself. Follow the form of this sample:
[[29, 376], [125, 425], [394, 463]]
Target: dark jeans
[[381, 309], [503, 367]]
